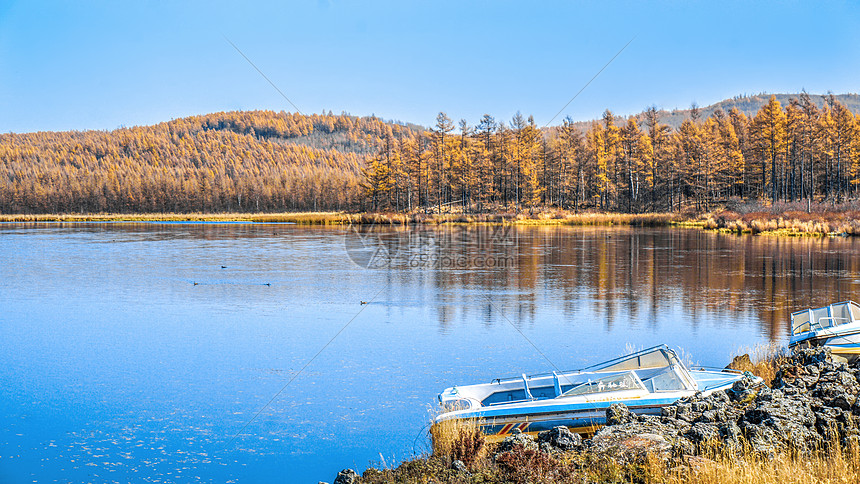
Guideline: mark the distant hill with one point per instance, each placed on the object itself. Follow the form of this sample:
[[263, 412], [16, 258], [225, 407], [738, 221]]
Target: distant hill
[[748, 105], [343, 133]]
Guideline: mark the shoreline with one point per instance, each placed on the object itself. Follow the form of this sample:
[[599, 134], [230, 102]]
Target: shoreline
[[368, 218], [783, 224]]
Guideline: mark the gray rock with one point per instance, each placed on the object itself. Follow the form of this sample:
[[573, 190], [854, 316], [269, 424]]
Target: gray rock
[[713, 416], [684, 411], [560, 437], [701, 433], [765, 394], [459, 466], [855, 409], [517, 439], [837, 389], [633, 442], [647, 435], [784, 410], [619, 414], [669, 412], [811, 356], [743, 390], [701, 406], [346, 476], [796, 376]]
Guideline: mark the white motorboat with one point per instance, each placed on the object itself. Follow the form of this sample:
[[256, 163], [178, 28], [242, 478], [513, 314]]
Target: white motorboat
[[836, 326], [645, 381]]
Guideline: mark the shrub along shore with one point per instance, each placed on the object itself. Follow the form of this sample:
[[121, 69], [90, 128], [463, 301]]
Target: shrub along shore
[[801, 427], [783, 219]]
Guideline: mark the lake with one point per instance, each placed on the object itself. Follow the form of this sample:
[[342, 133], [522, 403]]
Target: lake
[[178, 352]]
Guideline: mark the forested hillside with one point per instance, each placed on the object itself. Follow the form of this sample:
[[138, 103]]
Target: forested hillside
[[237, 161], [261, 161], [792, 152]]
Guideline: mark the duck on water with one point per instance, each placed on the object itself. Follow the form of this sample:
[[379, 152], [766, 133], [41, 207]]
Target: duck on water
[[645, 381]]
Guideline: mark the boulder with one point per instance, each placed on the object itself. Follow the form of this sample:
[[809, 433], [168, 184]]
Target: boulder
[[517, 439], [701, 433], [630, 443], [619, 414], [635, 440], [837, 388], [799, 376], [741, 362], [346, 476], [811, 356], [743, 390], [561, 438]]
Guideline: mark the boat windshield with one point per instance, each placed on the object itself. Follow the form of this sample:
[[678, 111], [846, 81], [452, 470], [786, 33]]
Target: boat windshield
[[659, 357], [664, 380], [610, 383], [825, 317]]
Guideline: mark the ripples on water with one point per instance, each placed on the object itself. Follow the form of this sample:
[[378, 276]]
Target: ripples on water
[[117, 367]]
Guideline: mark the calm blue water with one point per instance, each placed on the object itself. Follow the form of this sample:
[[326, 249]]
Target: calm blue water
[[117, 367]]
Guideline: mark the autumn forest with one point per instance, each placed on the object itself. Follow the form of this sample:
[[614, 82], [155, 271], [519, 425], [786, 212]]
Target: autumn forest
[[263, 161]]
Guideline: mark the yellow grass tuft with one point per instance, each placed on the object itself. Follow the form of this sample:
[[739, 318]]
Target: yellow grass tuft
[[791, 223], [761, 360], [645, 219], [459, 439]]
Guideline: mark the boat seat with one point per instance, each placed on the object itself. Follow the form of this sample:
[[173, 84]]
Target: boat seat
[[526, 387], [556, 384]]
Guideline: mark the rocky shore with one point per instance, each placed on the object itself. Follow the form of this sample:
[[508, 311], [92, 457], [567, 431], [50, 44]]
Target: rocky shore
[[812, 403], [811, 406]]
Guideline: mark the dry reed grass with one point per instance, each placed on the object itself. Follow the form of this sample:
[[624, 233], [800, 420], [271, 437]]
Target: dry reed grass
[[320, 218], [834, 465], [546, 217], [459, 439], [790, 222], [600, 218]]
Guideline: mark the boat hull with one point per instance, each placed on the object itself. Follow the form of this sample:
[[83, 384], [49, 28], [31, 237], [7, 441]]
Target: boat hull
[[645, 382], [584, 417], [582, 421], [846, 346]]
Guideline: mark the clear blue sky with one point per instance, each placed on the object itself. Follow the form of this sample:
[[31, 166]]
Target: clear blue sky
[[100, 65]]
